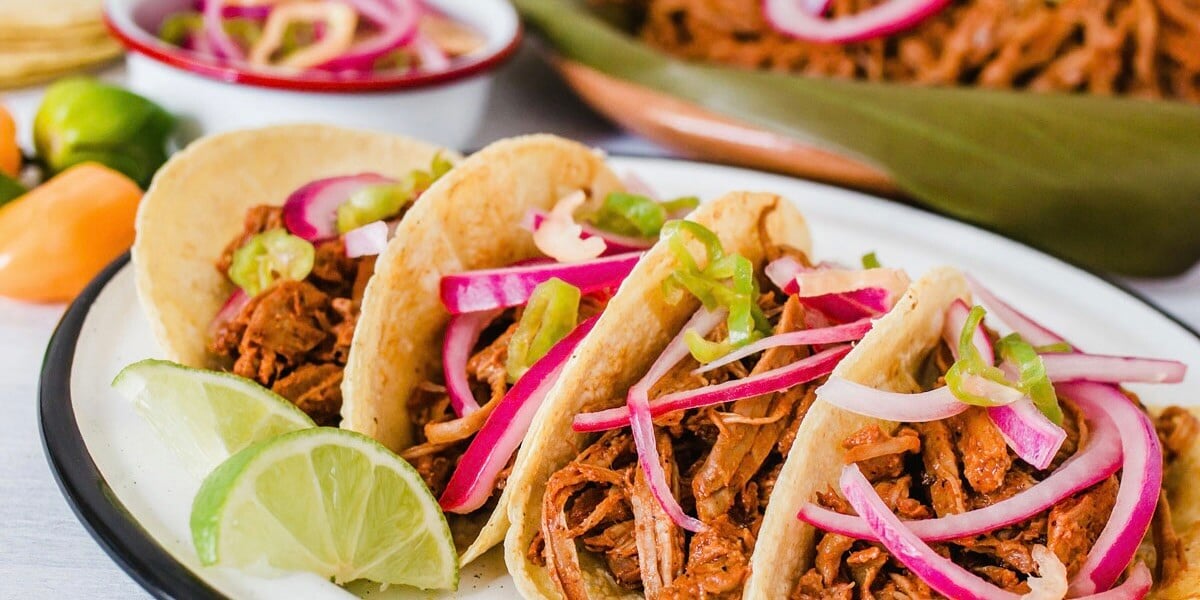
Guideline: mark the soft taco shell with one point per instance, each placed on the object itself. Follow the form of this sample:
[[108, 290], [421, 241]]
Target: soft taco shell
[[198, 200], [629, 336], [470, 219], [889, 358]]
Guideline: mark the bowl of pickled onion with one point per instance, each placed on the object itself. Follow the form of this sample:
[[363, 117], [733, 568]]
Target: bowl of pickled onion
[[416, 67]]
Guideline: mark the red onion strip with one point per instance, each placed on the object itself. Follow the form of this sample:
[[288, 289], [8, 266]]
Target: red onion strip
[[1029, 329], [806, 337], [938, 572], [923, 407], [488, 289], [642, 424], [768, 382], [1137, 497], [232, 307], [616, 244], [397, 21], [795, 18], [474, 478], [310, 212], [214, 31], [369, 240], [462, 333], [1077, 366], [1024, 428], [1099, 459]]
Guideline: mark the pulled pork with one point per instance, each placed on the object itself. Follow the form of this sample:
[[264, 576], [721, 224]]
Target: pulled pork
[[962, 463], [441, 436], [294, 337], [721, 461]]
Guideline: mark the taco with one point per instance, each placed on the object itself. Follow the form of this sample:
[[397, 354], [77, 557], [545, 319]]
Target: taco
[[705, 362], [989, 466], [251, 257], [491, 280]]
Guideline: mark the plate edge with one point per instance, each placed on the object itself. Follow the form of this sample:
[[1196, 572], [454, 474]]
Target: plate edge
[[79, 480]]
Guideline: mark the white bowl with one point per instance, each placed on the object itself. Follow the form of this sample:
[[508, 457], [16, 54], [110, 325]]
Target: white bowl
[[444, 108]]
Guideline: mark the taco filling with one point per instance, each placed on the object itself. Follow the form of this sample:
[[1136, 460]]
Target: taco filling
[[511, 331], [300, 271], [1019, 469], [726, 398]]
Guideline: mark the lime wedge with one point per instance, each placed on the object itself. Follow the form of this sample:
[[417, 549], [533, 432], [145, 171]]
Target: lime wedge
[[327, 501], [205, 416]]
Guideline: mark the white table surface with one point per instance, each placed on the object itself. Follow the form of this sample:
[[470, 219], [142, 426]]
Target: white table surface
[[46, 553]]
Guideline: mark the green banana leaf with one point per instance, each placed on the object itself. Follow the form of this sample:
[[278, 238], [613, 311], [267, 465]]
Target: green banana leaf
[[1108, 183]]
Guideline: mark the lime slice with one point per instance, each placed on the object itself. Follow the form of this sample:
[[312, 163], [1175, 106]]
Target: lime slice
[[206, 416], [327, 501]]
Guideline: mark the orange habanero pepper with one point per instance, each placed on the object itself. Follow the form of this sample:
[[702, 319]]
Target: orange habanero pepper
[[57, 237]]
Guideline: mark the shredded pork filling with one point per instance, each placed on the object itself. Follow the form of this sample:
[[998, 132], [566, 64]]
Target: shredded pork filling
[[1142, 48], [441, 435], [925, 470], [721, 462], [294, 337]]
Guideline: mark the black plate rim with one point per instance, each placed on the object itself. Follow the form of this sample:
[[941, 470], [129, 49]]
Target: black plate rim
[[116, 530]]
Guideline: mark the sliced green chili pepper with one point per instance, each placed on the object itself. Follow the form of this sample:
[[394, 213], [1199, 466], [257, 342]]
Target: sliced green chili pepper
[[269, 256], [383, 201], [1033, 379], [725, 281], [638, 215], [549, 316], [870, 261], [971, 362]]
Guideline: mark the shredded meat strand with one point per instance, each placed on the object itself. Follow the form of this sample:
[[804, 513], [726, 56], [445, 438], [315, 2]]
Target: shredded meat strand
[[1142, 48]]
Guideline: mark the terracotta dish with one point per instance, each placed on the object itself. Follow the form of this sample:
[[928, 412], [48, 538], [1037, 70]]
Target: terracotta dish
[[696, 132]]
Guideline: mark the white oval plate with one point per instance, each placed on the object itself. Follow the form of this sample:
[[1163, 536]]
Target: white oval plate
[[131, 470]]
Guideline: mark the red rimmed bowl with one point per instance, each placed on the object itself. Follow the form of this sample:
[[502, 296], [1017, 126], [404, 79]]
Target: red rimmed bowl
[[209, 96]]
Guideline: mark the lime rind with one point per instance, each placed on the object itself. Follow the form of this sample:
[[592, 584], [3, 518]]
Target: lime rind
[[205, 416], [328, 501]]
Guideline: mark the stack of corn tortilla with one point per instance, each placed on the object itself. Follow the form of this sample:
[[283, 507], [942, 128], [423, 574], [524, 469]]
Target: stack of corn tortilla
[[42, 40]]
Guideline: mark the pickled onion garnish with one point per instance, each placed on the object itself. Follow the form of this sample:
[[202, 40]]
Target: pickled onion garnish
[[806, 337], [1078, 366], [431, 57], [1137, 496], [215, 35], [462, 333], [1031, 330], [232, 307], [956, 319], [474, 478], [922, 407], [614, 243], [369, 240], [1095, 462], [821, 282], [938, 572], [339, 20], [397, 24], [776, 380], [1032, 436], [782, 272], [843, 307], [641, 419], [795, 18], [310, 212], [488, 289], [561, 238]]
